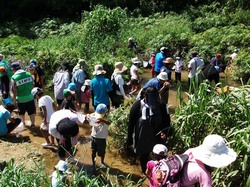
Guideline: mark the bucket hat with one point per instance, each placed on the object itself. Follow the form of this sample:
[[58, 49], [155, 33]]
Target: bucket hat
[[160, 149], [99, 70], [35, 90], [119, 67], [214, 152], [168, 60], [163, 76], [86, 83], [136, 60], [61, 166]]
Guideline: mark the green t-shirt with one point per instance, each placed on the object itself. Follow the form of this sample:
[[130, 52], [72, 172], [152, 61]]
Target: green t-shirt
[[24, 84]]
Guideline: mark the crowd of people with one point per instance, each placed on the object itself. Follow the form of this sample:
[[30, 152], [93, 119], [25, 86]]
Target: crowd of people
[[149, 120]]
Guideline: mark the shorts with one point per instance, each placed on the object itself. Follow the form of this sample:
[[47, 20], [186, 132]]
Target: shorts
[[27, 107], [134, 82], [98, 145], [59, 101]]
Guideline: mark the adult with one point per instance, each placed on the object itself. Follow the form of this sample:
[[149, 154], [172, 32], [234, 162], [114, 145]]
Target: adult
[[119, 94], [62, 126], [37, 73], [5, 115], [194, 66], [159, 57], [135, 77], [22, 84], [132, 45], [148, 121], [78, 77], [161, 84], [213, 153], [100, 87], [168, 64], [215, 61], [210, 73], [60, 81], [233, 55]]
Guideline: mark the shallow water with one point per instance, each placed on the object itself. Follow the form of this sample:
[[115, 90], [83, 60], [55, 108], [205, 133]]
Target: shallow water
[[117, 164]]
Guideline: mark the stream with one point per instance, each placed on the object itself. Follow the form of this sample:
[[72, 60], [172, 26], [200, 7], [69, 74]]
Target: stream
[[117, 164]]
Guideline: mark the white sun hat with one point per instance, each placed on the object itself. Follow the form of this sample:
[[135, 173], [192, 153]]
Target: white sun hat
[[214, 152], [163, 76]]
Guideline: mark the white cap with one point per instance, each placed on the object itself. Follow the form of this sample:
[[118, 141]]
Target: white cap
[[160, 149]]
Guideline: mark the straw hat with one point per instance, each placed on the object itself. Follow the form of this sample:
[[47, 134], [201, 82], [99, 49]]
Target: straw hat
[[214, 152], [163, 76], [168, 60], [99, 70], [119, 67]]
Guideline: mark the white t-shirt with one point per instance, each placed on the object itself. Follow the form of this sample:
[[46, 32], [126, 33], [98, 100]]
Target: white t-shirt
[[100, 131], [133, 71], [47, 101], [178, 66], [120, 82], [232, 56], [196, 64], [56, 117]]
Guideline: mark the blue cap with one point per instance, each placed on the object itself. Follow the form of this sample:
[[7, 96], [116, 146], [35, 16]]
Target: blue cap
[[101, 109], [15, 65], [72, 86]]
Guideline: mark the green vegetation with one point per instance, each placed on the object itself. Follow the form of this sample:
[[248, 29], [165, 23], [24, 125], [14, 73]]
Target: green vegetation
[[101, 37], [227, 114], [16, 175]]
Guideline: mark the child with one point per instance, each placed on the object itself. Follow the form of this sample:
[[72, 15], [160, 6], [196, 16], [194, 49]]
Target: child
[[58, 176], [86, 94], [48, 107], [152, 63], [135, 77], [160, 151], [178, 68], [68, 102], [5, 83], [72, 88], [99, 133]]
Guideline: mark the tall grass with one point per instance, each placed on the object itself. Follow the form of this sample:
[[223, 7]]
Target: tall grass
[[16, 175], [228, 115]]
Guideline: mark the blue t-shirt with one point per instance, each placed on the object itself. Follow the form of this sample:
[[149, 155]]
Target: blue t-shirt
[[4, 116], [158, 61], [100, 86], [153, 82]]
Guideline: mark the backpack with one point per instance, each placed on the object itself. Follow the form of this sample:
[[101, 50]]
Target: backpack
[[166, 172]]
